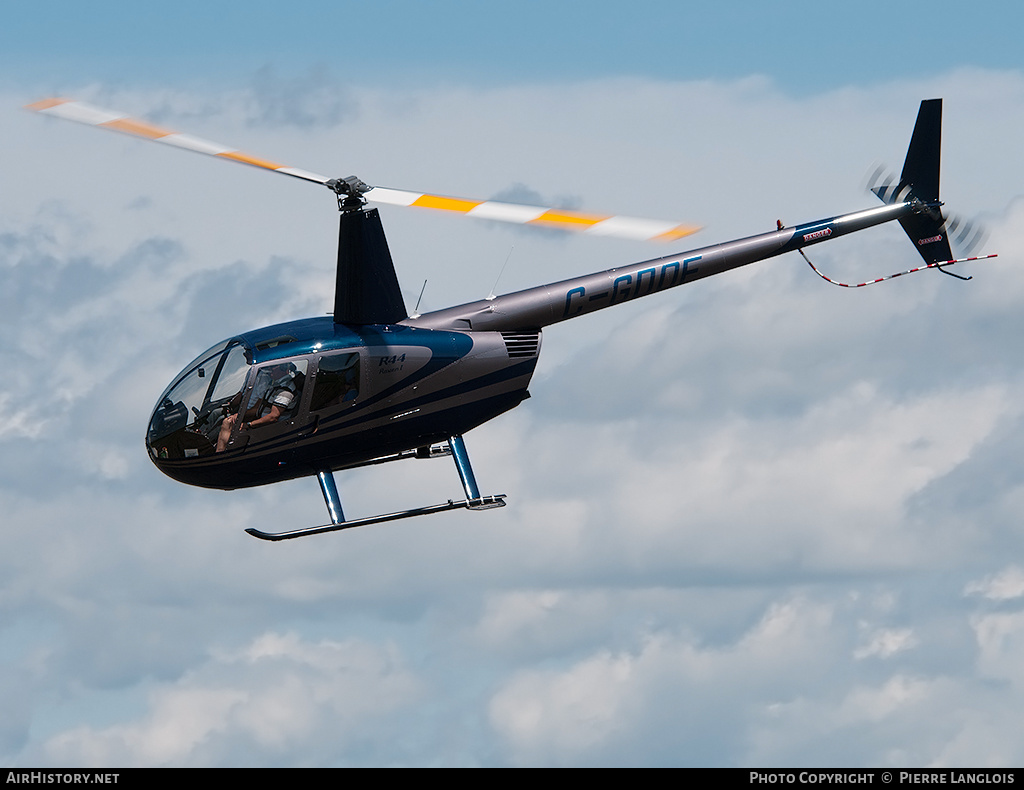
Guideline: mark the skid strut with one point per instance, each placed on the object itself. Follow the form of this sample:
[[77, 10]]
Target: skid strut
[[331, 496], [473, 501]]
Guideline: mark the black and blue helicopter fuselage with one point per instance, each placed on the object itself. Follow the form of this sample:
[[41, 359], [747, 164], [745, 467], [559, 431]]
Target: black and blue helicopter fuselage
[[354, 394]]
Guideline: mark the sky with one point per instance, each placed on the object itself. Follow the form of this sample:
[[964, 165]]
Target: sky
[[758, 520]]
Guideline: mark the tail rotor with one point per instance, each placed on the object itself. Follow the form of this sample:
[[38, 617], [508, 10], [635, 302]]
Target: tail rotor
[[964, 235]]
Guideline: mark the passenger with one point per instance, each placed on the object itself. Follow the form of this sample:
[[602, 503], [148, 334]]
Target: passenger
[[276, 394]]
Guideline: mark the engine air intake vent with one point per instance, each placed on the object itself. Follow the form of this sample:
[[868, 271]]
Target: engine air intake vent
[[521, 345]]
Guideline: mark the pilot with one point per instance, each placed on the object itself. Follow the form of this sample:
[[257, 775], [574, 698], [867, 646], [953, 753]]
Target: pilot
[[281, 393]]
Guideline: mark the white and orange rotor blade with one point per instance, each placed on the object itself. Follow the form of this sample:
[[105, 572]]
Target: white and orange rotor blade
[[563, 219], [499, 211], [80, 112]]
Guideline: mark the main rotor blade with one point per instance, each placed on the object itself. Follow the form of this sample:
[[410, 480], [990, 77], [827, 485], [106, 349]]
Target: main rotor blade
[[563, 219], [80, 112], [521, 214]]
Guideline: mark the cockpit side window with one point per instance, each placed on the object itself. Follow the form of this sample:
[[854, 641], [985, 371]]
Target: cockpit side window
[[272, 401], [277, 392], [337, 381]]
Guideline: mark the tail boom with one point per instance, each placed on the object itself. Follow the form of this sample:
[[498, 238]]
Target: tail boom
[[544, 305]]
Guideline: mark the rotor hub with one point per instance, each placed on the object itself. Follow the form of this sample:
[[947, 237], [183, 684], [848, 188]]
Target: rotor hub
[[350, 192]]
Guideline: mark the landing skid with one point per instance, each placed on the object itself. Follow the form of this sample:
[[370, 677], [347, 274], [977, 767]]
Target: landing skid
[[473, 501], [484, 503]]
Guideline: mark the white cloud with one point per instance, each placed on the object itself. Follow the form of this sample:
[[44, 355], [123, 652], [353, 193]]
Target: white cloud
[[1003, 586], [278, 696], [585, 713], [887, 642], [1001, 642]]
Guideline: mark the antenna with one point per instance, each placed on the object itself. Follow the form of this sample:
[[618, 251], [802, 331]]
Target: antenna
[[492, 294], [416, 309]]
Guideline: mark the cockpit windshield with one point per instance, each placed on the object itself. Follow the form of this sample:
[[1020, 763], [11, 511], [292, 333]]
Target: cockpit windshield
[[188, 417]]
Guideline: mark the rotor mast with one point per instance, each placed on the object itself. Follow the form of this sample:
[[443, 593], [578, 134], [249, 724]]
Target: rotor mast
[[366, 289]]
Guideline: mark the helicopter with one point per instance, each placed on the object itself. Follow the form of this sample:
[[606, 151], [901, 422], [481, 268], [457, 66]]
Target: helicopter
[[372, 383]]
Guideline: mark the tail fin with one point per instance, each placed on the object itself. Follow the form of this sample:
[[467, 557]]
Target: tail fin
[[921, 168], [919, 183], [366, 290]]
